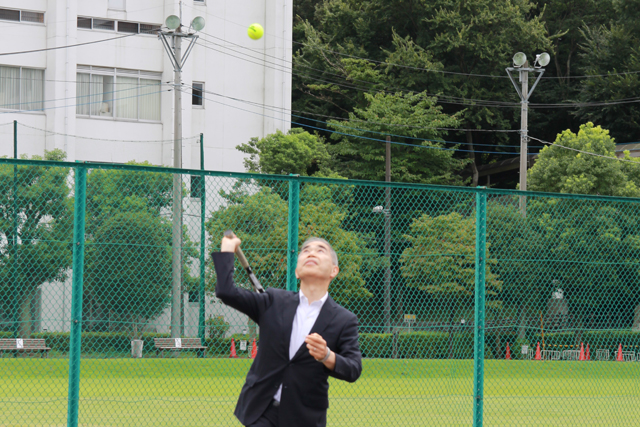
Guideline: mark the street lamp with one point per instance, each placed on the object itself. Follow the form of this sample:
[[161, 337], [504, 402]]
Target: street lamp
[[174, 31], [521, 65]]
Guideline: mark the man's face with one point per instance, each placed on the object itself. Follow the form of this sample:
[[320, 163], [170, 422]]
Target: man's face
[[314, 261]]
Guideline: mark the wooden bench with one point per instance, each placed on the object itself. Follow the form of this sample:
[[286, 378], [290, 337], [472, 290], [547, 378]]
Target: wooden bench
[[25, 345], [177, 344]]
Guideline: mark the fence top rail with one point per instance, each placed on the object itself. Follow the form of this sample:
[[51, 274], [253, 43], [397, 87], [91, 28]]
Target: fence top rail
[[313, 180]]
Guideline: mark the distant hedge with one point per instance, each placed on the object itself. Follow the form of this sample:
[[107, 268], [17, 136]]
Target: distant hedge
[[414, 345]]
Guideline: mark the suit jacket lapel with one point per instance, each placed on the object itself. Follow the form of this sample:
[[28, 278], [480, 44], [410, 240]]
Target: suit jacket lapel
[[323, 320]]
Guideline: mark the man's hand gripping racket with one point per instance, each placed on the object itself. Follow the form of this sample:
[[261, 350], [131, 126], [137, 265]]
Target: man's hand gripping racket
[[245, 264]]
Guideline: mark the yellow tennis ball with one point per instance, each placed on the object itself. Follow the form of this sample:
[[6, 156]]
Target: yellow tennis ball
[[255, 31]]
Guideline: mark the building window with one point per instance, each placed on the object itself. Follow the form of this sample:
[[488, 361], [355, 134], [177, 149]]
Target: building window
[[198, 1], [104, 24], [128, 27], [21, 88], [84, 22], [197, 94], [21, 16], [123, 26], [117, 93]]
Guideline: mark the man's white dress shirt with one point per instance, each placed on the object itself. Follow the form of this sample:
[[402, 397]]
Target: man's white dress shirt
[[305, 317]]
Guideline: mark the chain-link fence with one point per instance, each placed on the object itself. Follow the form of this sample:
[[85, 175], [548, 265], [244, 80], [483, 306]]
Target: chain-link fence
[[474, 304]]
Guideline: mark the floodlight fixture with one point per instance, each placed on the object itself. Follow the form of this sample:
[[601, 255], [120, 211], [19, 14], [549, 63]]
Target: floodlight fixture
[[542, 60], [519, 59], [172, 22], [198, 23]]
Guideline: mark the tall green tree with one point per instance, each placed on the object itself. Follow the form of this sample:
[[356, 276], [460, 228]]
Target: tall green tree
[[441, 262], [609, 52], [562, 168], [259, 216], [44, 216], [592, 244], [418, 157], [296, 152], [128, 269], [462, 38]]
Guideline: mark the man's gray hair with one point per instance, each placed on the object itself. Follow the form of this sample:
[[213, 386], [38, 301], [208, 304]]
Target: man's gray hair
[[334, 256]]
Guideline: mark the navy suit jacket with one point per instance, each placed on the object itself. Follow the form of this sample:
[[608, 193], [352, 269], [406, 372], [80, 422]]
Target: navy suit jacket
[[305, 386]]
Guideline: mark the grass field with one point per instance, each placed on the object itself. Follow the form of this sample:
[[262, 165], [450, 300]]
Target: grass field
[[203, 392]]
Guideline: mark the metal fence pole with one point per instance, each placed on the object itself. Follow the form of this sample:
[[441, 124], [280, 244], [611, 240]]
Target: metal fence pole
[[76, 295], [202, 189], [292, 245], [14, 240], [478, 353]]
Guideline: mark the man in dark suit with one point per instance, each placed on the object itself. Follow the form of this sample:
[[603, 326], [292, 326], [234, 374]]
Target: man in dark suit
[[305, 337]]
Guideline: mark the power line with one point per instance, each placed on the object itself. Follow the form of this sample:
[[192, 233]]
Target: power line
[[440, 98], [70, 45], [279, 109], [420, 68], [160, 83], [104, 139], [76, 105], [368, 89], [356, 119], [358, 136], [555, 144]]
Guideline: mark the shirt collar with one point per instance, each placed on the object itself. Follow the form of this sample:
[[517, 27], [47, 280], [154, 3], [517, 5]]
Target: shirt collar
[[305, 301]]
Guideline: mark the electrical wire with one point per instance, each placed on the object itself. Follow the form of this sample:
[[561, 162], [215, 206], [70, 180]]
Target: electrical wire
[[441, 98], [418, 68], [554, 144], [445, 99], [75, 105], [356, 119], [356, 136], [104, 139], [280, 110], [46, 49], [160, 83]]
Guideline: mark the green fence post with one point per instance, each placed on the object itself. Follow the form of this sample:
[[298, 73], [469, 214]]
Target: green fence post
[[76, 295], [292, 246], [478, 353], [14, 240], [202, 189]]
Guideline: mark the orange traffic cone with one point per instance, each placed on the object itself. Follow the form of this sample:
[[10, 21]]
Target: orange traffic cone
[[581, 358], [538, 352], [233, 354], [588, 355], [508, 356], [254, 349], [619, 357]]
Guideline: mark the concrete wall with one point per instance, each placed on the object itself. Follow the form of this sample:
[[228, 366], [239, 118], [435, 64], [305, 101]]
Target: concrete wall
[[234, 66]]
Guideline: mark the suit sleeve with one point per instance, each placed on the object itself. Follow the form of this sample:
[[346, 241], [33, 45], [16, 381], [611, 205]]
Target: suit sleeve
[[250, 303], [348, 356]]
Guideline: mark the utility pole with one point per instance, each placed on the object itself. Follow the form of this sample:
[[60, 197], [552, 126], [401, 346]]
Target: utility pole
[[174, 30], [521, 65], [176, 226]]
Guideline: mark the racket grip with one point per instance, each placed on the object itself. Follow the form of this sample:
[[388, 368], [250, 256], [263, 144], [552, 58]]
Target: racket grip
[[245, 264]]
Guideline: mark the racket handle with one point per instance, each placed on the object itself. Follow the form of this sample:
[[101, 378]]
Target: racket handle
[[245, 264]]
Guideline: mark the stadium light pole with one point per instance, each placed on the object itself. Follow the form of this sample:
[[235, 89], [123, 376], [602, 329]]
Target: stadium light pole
[[174, 31], [521, 65]]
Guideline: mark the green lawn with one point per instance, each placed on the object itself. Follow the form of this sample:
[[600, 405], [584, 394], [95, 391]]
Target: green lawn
[[202, 392]]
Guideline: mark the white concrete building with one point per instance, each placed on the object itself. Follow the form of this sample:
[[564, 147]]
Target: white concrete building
[[93, 79], [117, 90]]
